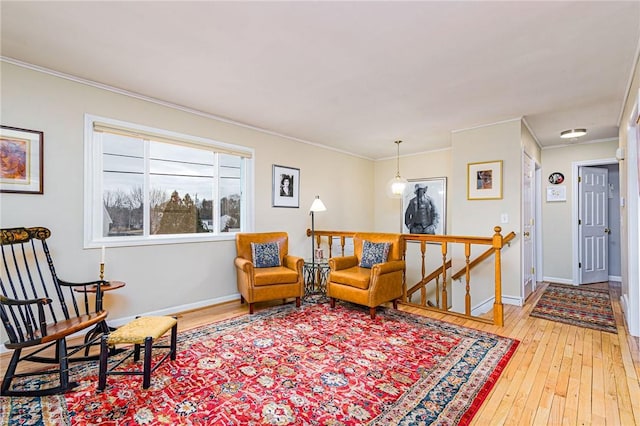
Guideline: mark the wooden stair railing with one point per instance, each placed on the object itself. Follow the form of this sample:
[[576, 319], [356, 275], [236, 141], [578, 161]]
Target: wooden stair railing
[[436, 273], [496, 242]]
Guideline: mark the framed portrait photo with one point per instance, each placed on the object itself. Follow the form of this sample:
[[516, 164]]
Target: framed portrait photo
[[424, 206], [21, 167], [286, 186], [484, 180]]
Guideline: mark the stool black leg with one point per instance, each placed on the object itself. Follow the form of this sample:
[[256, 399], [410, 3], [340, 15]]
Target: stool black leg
[[104, 354], [146, 380], [136, 352], [174, 340]]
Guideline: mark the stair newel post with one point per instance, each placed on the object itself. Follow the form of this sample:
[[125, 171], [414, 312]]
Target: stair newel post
[[498, 310]]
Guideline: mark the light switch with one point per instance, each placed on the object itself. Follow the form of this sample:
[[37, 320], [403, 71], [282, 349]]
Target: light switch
[[504, 218]]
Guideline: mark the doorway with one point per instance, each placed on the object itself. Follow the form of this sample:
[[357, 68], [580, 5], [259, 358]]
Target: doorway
[[596, 229], [529, 225]]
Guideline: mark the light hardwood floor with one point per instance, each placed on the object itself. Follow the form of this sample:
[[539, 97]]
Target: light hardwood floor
[[559, 375]]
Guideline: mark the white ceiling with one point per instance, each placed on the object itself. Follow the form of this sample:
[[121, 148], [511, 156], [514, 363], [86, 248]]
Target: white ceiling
[[350, 75]]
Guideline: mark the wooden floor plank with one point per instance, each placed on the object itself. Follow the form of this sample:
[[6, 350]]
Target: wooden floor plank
[[559, 375], [543, 411]]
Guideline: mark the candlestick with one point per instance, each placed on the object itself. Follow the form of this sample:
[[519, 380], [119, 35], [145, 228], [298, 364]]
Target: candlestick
[[101, 270]]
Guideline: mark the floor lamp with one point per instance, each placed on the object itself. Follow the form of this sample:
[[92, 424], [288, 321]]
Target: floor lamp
[[316, 206]]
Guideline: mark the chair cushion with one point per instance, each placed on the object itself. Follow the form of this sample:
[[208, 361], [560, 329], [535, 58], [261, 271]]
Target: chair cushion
[[355, 277], [275, 275], [373, 253], [265, 255]]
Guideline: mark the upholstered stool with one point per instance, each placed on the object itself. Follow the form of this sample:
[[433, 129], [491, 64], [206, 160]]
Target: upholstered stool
[[139, 331]]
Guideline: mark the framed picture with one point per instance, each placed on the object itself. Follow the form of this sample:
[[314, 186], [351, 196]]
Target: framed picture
[[484, 180], [21, 168], [286, 186], [424, 206]]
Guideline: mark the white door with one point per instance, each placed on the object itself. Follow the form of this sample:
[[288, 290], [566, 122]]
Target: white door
[[593, 224], [528, 228]]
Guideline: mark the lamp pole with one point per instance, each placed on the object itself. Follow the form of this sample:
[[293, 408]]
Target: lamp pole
[[316, 206], [313, 250]]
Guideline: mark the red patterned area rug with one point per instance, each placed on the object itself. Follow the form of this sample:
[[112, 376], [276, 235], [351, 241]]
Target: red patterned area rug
[[584, 307], [308, 366]]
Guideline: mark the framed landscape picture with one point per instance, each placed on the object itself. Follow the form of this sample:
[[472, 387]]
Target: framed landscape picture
[[424, 206], [286, 186], [484, 180], [21, 168]]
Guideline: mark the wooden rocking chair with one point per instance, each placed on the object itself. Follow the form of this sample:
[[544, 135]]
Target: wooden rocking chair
[[39, 309]]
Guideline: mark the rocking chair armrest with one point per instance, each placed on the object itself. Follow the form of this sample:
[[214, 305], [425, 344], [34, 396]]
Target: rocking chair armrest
[[8, 301], [70, 284]]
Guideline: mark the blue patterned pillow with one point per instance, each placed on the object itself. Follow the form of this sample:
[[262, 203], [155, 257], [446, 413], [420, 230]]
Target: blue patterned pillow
[[373, 253], [265, 255]]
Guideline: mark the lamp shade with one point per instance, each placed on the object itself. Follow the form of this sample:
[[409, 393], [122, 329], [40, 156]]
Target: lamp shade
[[396, 186], [317, 205]]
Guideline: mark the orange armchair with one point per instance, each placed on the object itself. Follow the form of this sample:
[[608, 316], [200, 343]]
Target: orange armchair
[[267, 281], [368, 286]]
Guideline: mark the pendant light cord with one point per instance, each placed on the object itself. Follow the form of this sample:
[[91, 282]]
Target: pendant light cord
[[398, 158]]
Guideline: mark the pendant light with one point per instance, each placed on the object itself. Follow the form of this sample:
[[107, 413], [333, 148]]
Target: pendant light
[[395, 187]]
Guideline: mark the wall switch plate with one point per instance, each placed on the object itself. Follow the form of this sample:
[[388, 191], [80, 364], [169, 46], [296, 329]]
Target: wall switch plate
[[504, 218]]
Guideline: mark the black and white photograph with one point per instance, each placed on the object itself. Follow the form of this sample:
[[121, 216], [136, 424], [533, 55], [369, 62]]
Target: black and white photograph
[[286, 186], [424, 204]]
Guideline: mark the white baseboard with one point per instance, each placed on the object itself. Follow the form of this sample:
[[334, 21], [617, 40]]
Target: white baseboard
[[483, 307], [616, 278], [558, 280], [512, 300], [117, 322], [486, 305], [175, 309], [624, 303]]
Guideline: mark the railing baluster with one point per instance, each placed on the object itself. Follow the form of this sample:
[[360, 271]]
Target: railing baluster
[[445, 302], [439, 274], [467, 295]]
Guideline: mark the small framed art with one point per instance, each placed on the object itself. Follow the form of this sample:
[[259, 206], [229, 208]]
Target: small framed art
[[21, 167], [484, 180], [286, 186]]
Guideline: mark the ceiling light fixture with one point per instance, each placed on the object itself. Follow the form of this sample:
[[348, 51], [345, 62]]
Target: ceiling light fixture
[[573, 133], [395, 187]]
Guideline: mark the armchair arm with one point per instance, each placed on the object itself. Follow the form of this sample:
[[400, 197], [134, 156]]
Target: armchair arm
[[8, 301], [386, 267], [97, 283], [244, 265], [41, 318], [70, 284], [293, 262], [344, 262]]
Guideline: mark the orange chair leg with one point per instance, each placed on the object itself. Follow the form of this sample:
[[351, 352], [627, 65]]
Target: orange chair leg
[[372, 312], [333, 302]]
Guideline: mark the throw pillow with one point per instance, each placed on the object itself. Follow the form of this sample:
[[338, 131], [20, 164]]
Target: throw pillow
[[373, 253], [266, 255]]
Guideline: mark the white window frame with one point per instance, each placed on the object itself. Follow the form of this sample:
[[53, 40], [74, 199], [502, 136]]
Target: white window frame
[[93, 202]]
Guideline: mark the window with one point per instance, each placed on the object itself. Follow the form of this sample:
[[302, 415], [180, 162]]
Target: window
[[147, 185]]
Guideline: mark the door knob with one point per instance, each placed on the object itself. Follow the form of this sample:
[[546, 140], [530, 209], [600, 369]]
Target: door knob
[[607, 230], [526, 233]]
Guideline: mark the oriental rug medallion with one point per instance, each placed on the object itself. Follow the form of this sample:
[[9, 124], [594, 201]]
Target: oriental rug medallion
[[584, 307], [286, 366]]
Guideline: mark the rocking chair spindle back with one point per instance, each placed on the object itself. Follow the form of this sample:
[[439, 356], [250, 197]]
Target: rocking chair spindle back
[[38, 309]]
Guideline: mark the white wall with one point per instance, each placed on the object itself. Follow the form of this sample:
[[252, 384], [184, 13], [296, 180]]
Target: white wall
[[557, 221], [164, 276], [630, 190], [500, 141]]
